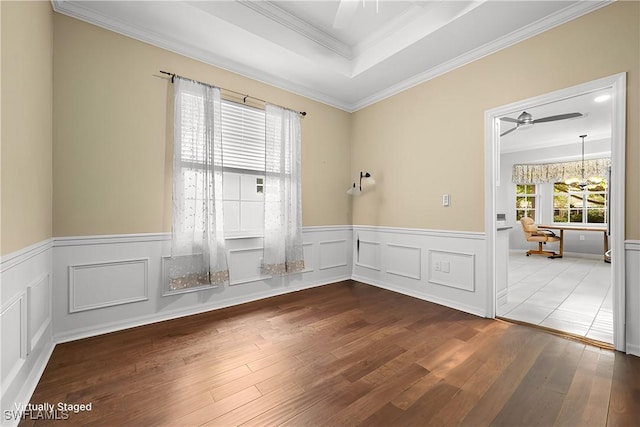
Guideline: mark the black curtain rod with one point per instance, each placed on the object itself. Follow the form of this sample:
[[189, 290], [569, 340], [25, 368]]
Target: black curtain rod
[[244, 96]]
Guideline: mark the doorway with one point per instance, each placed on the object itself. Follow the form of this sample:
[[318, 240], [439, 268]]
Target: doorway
[[523, 139]]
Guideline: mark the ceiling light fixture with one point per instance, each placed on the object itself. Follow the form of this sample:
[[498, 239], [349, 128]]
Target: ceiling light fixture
[[582, 183]]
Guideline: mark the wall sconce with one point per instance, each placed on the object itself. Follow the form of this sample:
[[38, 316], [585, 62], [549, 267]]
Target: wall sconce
[[356, 191]]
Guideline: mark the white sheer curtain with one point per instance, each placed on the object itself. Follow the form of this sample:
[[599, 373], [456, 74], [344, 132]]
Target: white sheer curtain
[[283, 252], [198, 255]]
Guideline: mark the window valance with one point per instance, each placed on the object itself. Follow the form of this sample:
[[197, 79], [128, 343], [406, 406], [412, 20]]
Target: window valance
[[558, 172]]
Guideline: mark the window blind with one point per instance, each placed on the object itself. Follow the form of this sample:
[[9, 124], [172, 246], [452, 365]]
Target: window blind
[[243, 137]]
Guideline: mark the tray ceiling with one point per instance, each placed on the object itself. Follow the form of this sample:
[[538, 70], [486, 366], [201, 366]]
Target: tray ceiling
[[348, 54]]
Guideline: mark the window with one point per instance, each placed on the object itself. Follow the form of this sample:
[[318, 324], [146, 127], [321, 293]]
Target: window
[[243, 163], [573, 204], [243, 145], [526, 201], [243, 148]]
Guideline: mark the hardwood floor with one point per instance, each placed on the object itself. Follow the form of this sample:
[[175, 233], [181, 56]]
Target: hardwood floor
[[343, 354]]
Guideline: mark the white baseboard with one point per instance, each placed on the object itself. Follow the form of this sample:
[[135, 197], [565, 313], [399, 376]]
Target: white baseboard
[[31, 382], [115, 326], [423, 296]]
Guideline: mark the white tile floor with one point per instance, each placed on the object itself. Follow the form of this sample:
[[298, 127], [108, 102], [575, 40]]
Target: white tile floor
[[571, 294]]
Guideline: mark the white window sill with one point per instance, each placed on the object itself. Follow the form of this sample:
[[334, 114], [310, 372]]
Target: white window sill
[[244, 236]]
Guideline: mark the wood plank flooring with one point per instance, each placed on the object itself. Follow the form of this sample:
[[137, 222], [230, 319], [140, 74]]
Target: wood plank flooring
[[345, 354]]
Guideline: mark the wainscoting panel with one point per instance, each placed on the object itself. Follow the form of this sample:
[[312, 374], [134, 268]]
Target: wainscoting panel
[[632, 280], [13, 319], [333, 254], [395, 259], [404, 261], [25, 319], [39, 308], [83, 266], [452, 269], [107, 283], [244, 266], [309, 257], [368, 255]]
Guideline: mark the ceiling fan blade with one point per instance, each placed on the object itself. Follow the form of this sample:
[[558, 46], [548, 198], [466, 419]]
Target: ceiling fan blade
[[509, 119], [558, 117], [509, 131], [346, 11]]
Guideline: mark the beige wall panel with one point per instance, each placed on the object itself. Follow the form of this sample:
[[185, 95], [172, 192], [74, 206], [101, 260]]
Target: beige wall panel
[[429, 140], [27, 29], [112, 138]]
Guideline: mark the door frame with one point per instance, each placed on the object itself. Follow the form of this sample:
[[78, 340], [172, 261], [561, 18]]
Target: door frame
[[618, 85]]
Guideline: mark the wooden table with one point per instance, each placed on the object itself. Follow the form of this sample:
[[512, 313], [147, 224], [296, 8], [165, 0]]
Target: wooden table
[[562, 228]]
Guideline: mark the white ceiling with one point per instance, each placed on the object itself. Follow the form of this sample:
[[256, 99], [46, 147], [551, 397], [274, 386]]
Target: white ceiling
[[378, 48], [595, 122]]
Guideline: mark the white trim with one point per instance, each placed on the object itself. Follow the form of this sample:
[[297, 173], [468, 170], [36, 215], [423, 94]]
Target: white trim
[[15, 258], [29, 387], [284, 18], [561, 17], [102, 239], [405, 274], [21, 301], [71, 279], [76, 10], [329, 266], [259, 278], [306, 267], [618, 83], [477, 235], [110, 238], [632, 245], [178, 313], [379, 253], [37, 335], [323, 228], [423, 296], [450, 284]]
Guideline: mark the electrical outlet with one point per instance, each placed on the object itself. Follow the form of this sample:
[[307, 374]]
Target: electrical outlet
[[445, 200], [582, 237], [436, 265]]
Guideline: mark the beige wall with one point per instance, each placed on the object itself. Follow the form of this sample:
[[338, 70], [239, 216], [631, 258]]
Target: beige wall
[[110, 170], [429, 140], [25, 181], [110, 144]]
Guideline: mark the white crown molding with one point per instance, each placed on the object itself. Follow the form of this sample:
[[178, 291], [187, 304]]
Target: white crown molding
[[565, 15], [284, 18], [78, 11]]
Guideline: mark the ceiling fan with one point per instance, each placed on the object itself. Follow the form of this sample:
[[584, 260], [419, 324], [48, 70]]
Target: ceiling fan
[[526, 119]]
